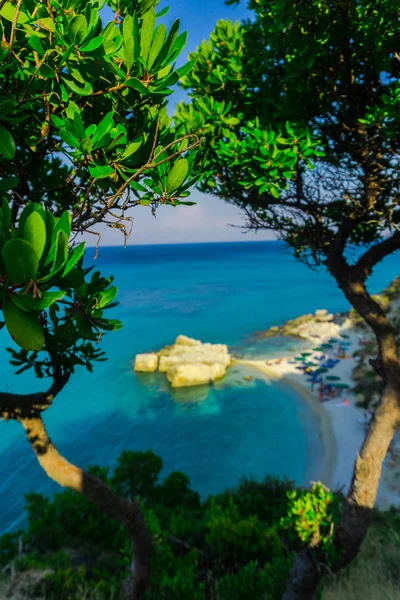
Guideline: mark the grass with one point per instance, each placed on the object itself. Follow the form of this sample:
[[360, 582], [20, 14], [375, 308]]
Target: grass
[[375, 573]]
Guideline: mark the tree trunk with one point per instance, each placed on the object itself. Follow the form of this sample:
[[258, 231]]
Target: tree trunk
[[125, 512], [307, 572]]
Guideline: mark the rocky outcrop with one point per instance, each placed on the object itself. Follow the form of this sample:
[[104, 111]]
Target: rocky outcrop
[[321, 323], [188, 362], [146, 363], [183, 375]]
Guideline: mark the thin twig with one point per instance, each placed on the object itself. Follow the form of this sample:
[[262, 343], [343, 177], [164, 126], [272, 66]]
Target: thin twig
[[13, 28]]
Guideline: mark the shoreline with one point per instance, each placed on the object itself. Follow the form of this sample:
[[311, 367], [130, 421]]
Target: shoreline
[[342, 421], [325, 469]]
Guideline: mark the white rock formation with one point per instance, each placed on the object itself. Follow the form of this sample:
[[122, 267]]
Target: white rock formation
[[184, 340], [146, 363], [194, 374], [188, 362]]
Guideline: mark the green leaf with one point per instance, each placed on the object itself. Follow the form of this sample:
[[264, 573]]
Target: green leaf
[[23, 327], [162, 12], [86, 145], [178, 46], [274, 192], [105, 125], [146, 33], [47, 23], [85, 90], [129, 41], [135, 84], [8, 13], [28, 210], [74, 258], [6, 214], [108, 296], [64, 224], [85, 328], [21, 260], [8, 183], [111, 324], [7, 144], [185, 69], [177, 175], [132, 148], [100, 171], [157, 43], [92, 44], [127, 27], [172, 79], [78, 29], [35, 233], [62, 251], [64, 94], [27, 302], [162, 57], [74, 279], [137, 186], [129, 53], [69, 139]]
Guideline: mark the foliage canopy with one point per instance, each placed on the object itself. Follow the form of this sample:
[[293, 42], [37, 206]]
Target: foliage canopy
[[84, 137]]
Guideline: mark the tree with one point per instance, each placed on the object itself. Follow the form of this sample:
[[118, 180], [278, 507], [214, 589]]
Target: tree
[[84, 137], [300, 110]]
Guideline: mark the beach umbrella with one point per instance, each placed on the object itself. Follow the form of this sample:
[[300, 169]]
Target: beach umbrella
[[341, 386], [318, 349], [327, 346], [332, 378], [344, 335], [321, 371], [305, 354], [298, 358], [332, 341]]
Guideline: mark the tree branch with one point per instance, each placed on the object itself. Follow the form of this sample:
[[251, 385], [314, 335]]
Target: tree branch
[[122, 510], [378, 252]]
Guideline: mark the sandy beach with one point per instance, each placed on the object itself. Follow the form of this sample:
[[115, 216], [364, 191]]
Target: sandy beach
[[343, 423]]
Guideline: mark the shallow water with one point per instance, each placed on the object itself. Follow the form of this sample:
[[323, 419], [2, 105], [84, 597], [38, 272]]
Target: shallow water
[[217, 293]]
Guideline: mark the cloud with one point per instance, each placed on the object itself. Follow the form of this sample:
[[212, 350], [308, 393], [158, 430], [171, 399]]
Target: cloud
[[207, 221]]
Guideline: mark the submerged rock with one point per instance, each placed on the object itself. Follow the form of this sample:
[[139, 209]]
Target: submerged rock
[[188, 362]]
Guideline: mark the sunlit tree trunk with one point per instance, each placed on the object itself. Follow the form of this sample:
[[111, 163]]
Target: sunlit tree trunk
[[125, 512]]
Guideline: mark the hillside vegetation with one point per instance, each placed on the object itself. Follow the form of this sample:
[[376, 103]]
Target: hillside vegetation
[[236, 545]]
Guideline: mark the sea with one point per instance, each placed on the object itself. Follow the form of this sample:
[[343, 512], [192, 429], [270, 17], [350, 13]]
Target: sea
[[240, 427]]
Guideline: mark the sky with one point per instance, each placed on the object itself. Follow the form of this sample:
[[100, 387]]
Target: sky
[[211, 219]]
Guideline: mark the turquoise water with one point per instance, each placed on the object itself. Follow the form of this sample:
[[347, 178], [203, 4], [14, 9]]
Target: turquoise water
[[215, 292]]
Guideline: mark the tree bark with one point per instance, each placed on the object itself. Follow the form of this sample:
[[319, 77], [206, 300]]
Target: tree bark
[[122, 510]]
